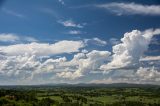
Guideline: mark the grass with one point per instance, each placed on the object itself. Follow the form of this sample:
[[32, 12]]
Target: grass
[[57, 98], [143, 99], [104, 99], [109, 99]]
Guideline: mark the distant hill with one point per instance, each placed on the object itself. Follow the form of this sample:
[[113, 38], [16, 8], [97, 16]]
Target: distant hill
[[104, 85], [94, 85]]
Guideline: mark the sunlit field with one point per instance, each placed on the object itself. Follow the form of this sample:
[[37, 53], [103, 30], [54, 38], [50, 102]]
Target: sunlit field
[[80, 96]]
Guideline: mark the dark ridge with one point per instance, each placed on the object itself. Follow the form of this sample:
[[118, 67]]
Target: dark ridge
[[84, 85]]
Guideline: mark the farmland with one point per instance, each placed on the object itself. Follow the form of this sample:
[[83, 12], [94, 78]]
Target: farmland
[[79, 96]]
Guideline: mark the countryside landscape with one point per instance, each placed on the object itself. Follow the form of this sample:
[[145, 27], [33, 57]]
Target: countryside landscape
[[81, 95]]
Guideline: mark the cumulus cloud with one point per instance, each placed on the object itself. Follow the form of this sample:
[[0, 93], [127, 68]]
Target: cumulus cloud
[[26, 67], [8, 37], [86, 63], [31, 61], [131, 8], [26, 62], [148, 74], [95, 41], [17, 66], [49, 66], [150, 58], [128, 53], [142, 75], [30, 67], [70, 23], [74, 32], [43, 49]]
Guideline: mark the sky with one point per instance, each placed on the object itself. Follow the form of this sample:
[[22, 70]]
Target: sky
[[79, 41]]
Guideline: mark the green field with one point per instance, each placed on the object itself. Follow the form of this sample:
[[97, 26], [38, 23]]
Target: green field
[[80, 96]]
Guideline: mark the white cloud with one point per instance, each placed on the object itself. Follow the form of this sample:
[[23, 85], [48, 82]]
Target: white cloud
[[127, 54], [114, 41], [26, 67], [75, 32], [85, 63], [30, 39], [30, 67], [39, 61], [50, 65], [102, 42], [8, 37], [84, 51], [96, 41], [70, 23], [20, 66], [43, 49], [148, 74], [131, 8], [140, 76], [150, 58]]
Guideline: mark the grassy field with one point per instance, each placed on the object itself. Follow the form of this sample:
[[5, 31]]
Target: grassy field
[[106, 96], [80, 96], [57, 98], [109, 99]]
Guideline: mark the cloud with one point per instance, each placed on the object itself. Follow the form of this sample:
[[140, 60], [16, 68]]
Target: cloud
[[110, 81], [95, 41], [43, 62], [29, 67], [43, 49], [140, 76], [85, 63], [26, 62], [70, 23], [84, 51], [30, 39], [26, 67], [10, 37], [50, 65], [74, 32], [13, 13], [114, 41], [128, 53], [150, 58], [131, 8], [61, 1], [19, 66], [148, 74], [155, 41]]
